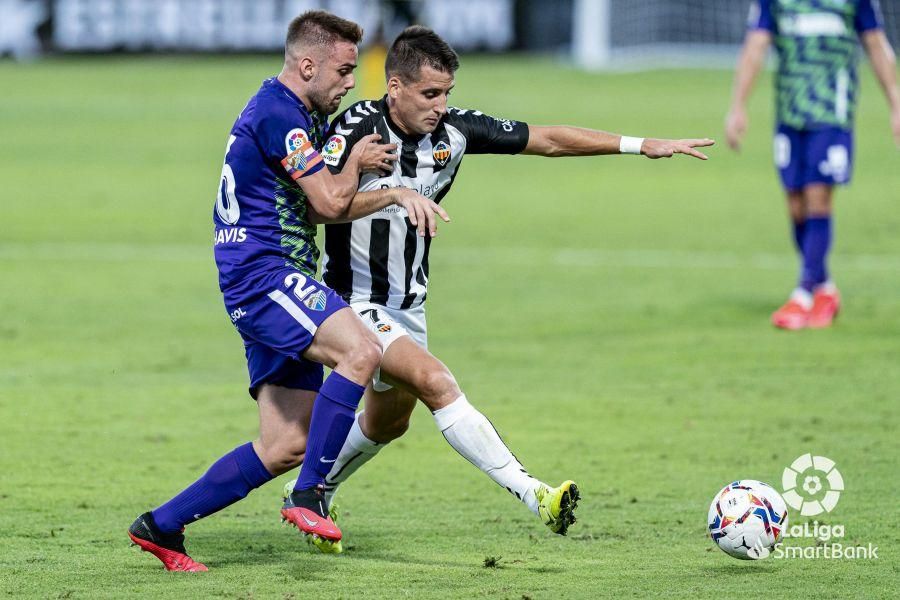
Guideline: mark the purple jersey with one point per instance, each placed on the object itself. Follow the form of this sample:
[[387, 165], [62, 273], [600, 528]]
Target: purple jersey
[[260, 213]]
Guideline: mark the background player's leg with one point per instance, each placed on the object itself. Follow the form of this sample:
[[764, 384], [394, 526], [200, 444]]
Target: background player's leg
[[793, 167], [817, 235], [353, 352], [797, 213], [817, 241], [794, 314]]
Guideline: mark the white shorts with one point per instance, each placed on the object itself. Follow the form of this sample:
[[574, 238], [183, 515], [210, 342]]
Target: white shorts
[[390, 324]]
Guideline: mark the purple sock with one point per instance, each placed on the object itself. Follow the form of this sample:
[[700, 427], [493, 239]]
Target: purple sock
[[228, 480], [816, 243], [332, 417], [799, 227]]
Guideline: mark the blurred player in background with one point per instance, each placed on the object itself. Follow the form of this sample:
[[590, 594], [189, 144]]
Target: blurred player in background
[[394, 17], [379, 264], [816, 93], [290, 323]]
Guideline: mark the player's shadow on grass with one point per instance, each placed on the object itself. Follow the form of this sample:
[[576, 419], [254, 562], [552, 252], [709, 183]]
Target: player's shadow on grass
[[369, 553], [500, 564], [740, 569], [225, 548], [724, 307], [229, 547]]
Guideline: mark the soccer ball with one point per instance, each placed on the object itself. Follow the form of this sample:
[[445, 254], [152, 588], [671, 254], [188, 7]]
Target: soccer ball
[[746, 519]]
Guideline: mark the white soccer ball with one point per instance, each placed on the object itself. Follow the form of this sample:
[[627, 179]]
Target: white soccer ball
[[747, 518]]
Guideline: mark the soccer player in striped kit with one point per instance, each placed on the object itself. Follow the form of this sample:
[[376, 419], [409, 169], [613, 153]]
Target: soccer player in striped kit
[[379, 264], [816, 88]]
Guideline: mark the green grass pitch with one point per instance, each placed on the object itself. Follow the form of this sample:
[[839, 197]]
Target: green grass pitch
[[610, 315]]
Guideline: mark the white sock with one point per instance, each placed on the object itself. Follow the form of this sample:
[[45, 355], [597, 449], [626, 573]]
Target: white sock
[[472, 435], [356, 451], [802, 297]]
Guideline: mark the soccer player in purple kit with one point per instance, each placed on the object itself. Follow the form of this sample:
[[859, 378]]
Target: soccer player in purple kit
[[290, 323], [816, 91]]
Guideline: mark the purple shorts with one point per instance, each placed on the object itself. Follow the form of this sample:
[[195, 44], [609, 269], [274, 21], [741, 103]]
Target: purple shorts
[[815, 156], [279, 326]]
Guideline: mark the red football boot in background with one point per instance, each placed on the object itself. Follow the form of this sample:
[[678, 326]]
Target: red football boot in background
[[826, 305], [794, 314]]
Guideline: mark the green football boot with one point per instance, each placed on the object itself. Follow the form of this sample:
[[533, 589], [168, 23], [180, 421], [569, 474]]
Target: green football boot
[[556, 506]]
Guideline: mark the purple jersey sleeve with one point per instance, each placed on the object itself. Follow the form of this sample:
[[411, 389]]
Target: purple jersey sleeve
[[761, 16], [868, 16], [287, 141]]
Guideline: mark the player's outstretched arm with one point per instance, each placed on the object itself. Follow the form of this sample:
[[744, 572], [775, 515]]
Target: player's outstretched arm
[[753, 53], [884, 63], [562, 140]]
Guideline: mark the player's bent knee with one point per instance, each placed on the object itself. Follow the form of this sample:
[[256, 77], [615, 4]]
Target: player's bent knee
[[437, 387], [393, 430], [283, 458], [360, 361], [367, 354]]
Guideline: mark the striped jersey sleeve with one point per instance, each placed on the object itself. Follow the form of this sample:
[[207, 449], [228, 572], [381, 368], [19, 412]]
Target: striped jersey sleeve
[[486, 134], [348, 128]]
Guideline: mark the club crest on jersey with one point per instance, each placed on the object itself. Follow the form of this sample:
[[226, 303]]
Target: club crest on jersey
[[301, 155], [316, 301], [295, 162], [375, 316], [334, 149], [441, 153]]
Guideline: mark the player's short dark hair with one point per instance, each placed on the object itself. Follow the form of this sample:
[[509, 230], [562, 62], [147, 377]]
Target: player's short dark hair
[[321, 28], [416, 47]]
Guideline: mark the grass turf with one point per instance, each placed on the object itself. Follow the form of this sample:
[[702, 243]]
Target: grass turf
[[610, 315]]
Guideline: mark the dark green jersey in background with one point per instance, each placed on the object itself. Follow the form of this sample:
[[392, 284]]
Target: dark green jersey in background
[[818, 53]]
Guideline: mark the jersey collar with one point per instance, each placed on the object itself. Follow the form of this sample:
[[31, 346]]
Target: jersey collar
[[287, 91], [395, 129]]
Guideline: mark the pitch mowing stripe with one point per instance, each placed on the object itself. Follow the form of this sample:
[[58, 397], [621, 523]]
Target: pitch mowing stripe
[[105, 252], [521, 255], [659, 259]]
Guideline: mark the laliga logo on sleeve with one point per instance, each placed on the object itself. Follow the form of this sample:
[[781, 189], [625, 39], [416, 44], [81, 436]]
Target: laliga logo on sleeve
[[334, 149], [812, 485], [299, 150], [295, 139]]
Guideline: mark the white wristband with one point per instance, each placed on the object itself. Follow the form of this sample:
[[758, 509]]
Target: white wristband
[[630, 145]]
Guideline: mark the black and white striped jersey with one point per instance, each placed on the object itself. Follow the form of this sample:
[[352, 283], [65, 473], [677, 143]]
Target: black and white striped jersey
[[380, 258]]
